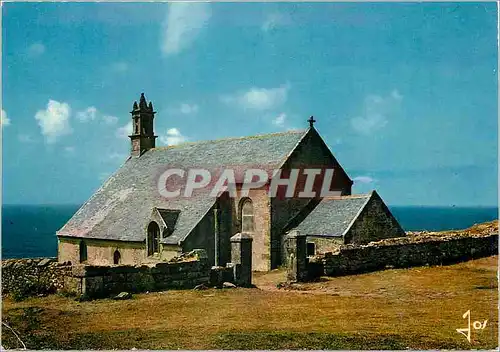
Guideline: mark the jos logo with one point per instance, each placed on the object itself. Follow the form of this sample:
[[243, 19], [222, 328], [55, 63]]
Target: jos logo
[[477, 325]]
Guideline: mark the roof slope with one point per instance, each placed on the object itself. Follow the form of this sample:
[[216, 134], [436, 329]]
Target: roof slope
[[266, 149], [332, 217], [121, 208]]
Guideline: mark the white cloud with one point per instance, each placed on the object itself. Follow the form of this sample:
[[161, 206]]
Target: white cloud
[[173, 137], [4, 120], [182, 25], [119, 67], [184, 109], [377, 110], [259, 98], [395, 94], [280, 120], [54, 120], [187, 109], [124, 131], [89, 114], [69, 149], [110, 120], [25, 138], [274, 20], [368, 124], [36, 49], [363, 179]]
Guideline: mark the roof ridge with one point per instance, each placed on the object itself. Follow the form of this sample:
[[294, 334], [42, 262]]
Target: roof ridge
[[230, 139], [351, 196]]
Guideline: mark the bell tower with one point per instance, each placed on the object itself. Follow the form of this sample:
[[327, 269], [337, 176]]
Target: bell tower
[[143, 136]]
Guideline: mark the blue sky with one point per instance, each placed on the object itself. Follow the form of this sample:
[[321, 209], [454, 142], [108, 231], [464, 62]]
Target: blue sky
[[405, 95]]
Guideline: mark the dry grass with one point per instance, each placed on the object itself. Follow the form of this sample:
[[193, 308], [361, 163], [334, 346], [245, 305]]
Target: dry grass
[[476, 229], [419, 308]]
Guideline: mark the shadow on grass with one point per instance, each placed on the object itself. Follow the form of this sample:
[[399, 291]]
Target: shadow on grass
[[320, 341], [36, 337]]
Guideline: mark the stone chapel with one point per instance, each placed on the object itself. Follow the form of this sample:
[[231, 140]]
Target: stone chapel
[[127, 221]]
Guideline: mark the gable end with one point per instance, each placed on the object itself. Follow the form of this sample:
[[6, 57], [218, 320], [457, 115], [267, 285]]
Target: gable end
[[374, 222]]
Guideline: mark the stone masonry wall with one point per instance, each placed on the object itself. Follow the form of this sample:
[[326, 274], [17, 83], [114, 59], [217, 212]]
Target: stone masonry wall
[[170, 251], [261, 259], [325, 244], [103, 281], [374, 223], [47, 275], [100, 252], [408, 252], [44, 273], [28, 277]]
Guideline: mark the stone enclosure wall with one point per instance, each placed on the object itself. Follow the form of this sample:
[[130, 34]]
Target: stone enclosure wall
[[102, 281], [43, 275], [402, 252], [27, 277], [403, 255]]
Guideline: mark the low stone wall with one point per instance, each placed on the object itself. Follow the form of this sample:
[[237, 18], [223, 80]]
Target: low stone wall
[[42, 275], [186, 271], [103, 281], [414, 249], [408, 252], [28, 277]]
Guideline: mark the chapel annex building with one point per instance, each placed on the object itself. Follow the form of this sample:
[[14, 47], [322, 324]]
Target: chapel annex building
[[127, 221]]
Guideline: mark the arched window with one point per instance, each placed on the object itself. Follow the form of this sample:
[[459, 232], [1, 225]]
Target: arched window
[[153, 242], [117, 257], [83, 252], [247, 224]]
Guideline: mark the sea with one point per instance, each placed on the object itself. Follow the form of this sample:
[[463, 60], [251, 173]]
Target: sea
[[28, 231]]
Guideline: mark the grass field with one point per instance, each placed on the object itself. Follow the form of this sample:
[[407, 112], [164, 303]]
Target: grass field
[[418, 308]]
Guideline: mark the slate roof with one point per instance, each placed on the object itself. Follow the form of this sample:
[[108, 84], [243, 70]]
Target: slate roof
[[120, 209], [332, 217]]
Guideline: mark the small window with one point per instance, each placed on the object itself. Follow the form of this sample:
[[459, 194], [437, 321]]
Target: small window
[[311, 248], [117, 257], [153, 241], [247, 220], [83, 252]]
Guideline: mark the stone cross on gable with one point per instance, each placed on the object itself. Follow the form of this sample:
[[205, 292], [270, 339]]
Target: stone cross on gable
[[311, 121]]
